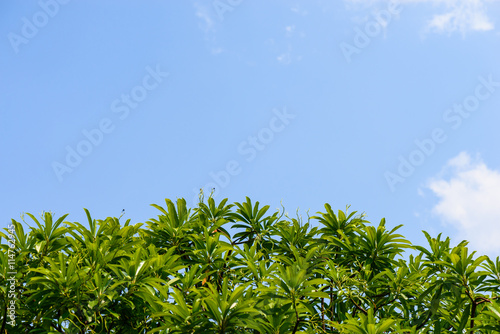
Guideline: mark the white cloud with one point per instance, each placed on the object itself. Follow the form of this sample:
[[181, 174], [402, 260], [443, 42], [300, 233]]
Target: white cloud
[[453, 16], [469, 200], [462, 15]]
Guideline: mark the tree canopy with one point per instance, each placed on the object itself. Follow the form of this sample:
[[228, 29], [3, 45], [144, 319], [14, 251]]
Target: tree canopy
[[238, 268]]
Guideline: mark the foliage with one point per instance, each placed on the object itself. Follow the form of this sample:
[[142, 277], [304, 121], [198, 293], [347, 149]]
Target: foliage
[[234, 268]]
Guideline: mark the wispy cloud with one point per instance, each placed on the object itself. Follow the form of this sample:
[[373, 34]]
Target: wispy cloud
[[284, 58], [291, 36], [289, 30], [469, 192], [296, 8], [207, 24], [206, 20], [453, 15]]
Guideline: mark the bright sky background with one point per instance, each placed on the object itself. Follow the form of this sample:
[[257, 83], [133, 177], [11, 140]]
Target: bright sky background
[[392, 108]]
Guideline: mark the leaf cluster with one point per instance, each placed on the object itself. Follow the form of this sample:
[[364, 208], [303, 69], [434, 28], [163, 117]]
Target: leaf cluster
[[236, 268]]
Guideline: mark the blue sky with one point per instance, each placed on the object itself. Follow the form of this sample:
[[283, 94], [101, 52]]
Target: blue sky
[[390, 107]]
